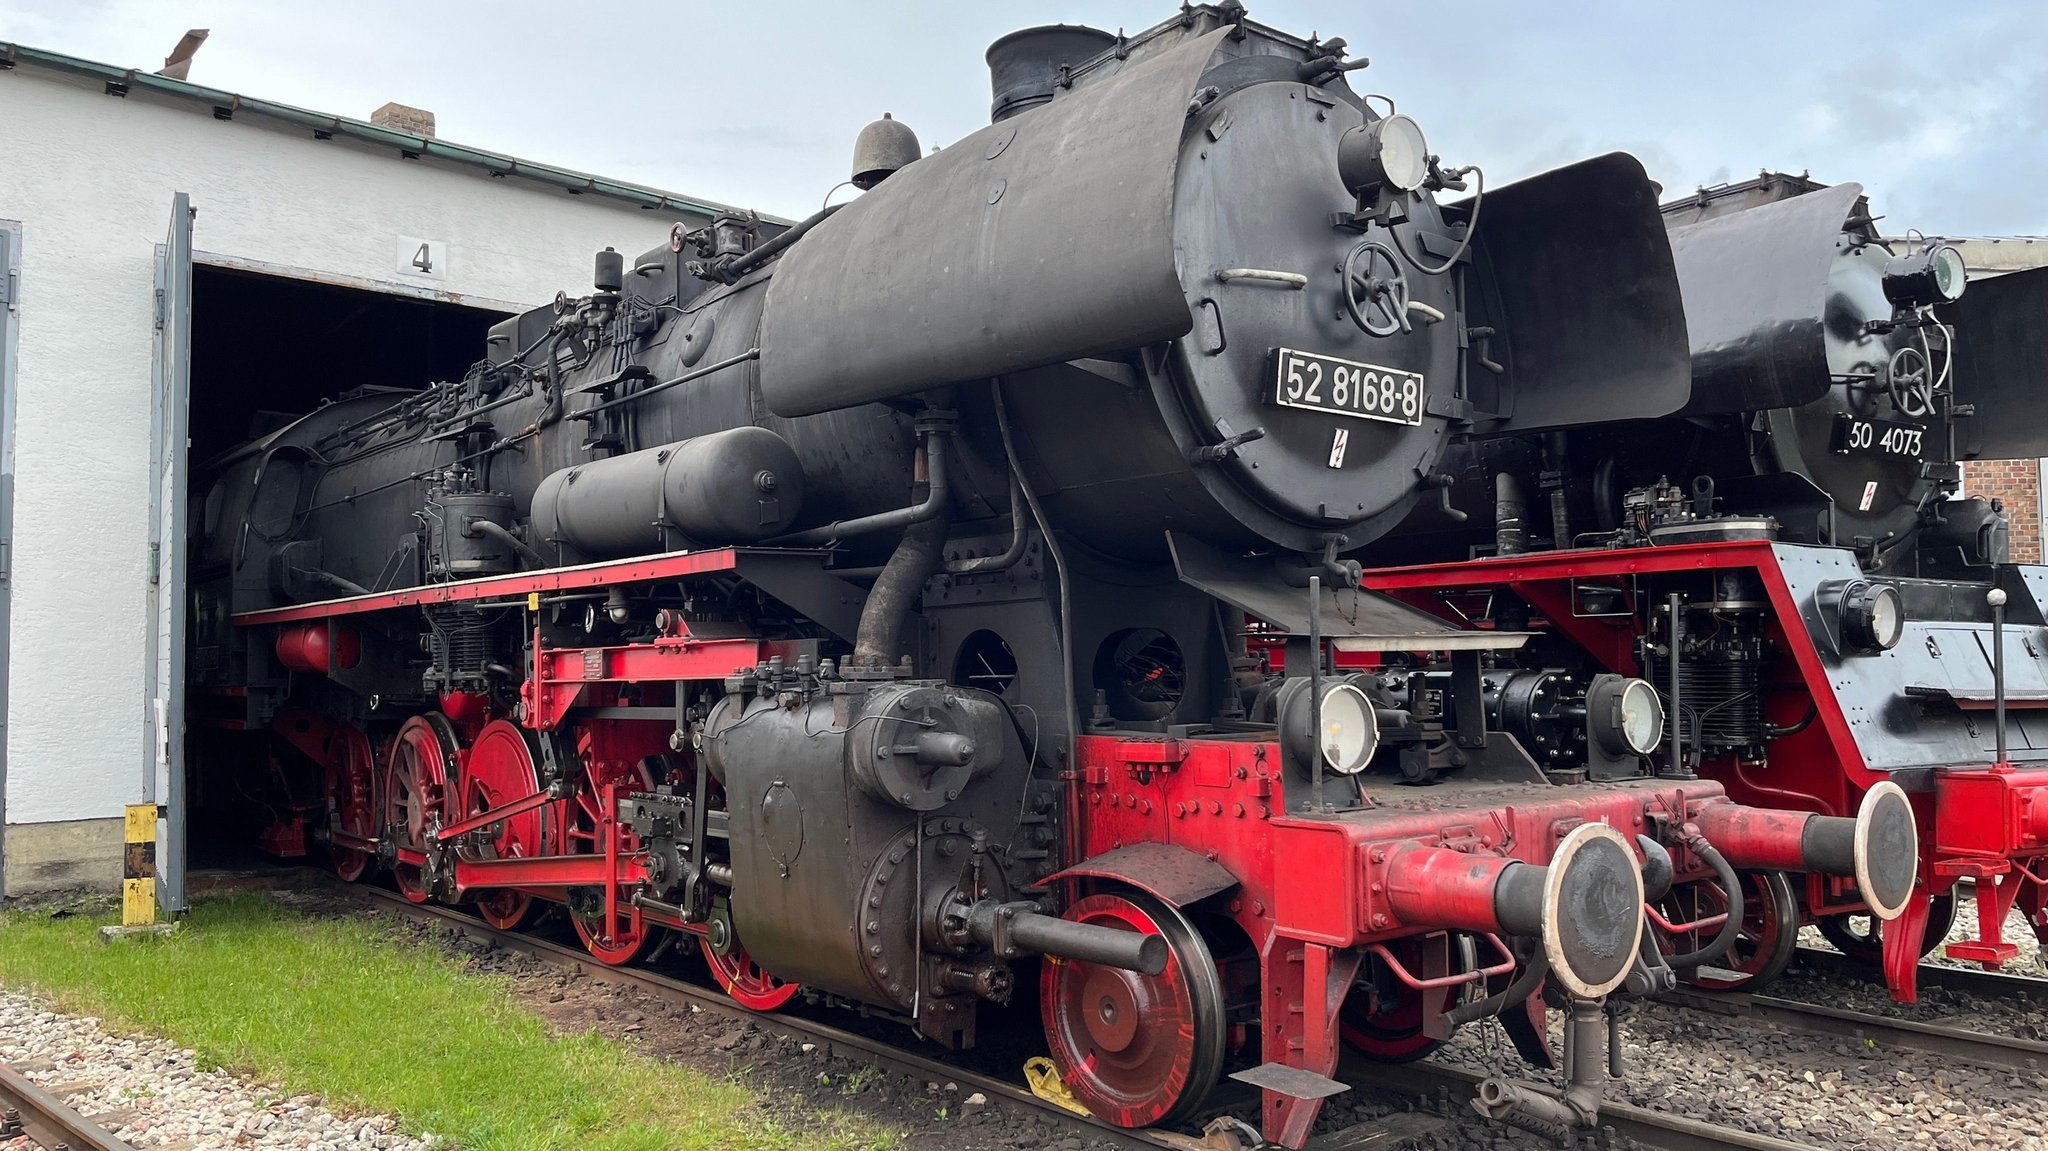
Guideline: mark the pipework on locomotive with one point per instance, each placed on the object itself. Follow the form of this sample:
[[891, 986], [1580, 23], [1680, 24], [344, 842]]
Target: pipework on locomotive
[[893, 620]]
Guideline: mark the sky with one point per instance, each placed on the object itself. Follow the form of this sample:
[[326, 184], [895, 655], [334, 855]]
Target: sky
[[1939, 111]]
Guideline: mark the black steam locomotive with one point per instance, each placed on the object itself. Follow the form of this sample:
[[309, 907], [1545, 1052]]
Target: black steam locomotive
[[952, 586]]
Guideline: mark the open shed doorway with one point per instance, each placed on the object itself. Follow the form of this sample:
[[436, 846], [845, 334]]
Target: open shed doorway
[[265, 348]]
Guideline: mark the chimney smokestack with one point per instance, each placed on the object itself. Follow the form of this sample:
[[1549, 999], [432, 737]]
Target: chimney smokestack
[[404, 118]]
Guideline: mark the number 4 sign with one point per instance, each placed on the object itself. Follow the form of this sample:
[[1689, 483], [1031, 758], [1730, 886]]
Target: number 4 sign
[[420, 257]]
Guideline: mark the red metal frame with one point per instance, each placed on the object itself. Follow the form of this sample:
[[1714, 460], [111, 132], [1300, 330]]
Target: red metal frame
[[1379, 875], [1382, 874], [559, 675], [674, 565], [1983, 820]]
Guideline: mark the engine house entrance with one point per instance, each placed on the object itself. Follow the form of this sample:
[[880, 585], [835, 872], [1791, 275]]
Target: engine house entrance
[[265, 345]]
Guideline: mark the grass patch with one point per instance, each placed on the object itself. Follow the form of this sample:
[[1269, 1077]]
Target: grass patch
[[337, 1007]]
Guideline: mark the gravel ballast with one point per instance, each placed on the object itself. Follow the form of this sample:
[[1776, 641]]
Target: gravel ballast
[[151, 1093]]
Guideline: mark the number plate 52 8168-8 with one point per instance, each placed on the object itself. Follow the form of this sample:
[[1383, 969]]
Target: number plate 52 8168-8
[[1346, 388]]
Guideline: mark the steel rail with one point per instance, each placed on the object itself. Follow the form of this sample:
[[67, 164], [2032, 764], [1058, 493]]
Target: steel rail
[[1652, 1129], [1974, 981], [1977, 1047], [26, 1109], [1649, 1128], [845, 1044]]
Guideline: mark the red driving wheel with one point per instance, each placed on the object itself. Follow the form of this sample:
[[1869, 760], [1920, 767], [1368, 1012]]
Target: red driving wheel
[[625, 938], [501, 769], [423, 760], [1769, 936], [1861, 937], [744, 980], [1382, 1018], [1138, 1050], [349, 784]]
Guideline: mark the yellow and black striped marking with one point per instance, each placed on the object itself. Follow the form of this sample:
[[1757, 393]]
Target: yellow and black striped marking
[[138, 866]]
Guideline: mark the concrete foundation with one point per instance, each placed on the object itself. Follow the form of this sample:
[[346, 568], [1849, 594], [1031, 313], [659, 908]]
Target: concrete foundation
[[70, 855]]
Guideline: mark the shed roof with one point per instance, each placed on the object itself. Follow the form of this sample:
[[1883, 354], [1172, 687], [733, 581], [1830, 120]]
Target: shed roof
[[323, 125]]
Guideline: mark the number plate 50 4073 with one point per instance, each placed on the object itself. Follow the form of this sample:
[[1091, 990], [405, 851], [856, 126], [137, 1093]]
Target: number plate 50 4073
[[1346, 388]]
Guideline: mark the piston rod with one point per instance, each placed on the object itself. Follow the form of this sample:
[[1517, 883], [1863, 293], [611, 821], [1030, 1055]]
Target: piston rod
[[1012, 929]]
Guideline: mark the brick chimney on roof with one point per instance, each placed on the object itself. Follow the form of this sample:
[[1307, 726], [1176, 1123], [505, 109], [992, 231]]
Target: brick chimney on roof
[[404, 118]]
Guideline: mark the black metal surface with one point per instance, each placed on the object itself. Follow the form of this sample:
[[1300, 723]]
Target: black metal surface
[[1352, 618], [1756, 287], [1024, 67], [1891, 851], [1047, 237], [735, 486], [2001, 326], [1576, 274], [1596, 913], [1901, 704]]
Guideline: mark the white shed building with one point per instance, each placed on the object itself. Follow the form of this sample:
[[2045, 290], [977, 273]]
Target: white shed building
[[317, 252]]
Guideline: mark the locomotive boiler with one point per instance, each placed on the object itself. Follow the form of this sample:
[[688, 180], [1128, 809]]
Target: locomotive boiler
[[875, 604]]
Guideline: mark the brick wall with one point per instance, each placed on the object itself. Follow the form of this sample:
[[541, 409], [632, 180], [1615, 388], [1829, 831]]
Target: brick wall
[[2018, 483]]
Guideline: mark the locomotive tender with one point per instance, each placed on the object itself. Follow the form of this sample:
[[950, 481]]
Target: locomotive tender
[[874, 603], [1840, 615]]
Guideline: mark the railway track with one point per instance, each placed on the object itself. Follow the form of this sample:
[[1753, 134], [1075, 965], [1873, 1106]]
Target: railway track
[[26, 1109], [839, 1042], [1974, 981], [1646, 1127], [1422, 1080], [1902, 1034]]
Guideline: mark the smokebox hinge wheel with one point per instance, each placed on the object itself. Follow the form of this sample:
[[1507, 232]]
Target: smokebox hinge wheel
[[1374, 272]]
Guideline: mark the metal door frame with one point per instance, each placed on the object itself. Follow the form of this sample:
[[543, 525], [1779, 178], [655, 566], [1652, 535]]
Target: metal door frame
[[10, 332], [170, 412]]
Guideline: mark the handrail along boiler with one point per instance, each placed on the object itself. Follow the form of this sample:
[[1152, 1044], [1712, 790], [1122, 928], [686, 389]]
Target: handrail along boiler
[[872, 605]]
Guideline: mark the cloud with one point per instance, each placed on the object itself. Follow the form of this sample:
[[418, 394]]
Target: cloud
[[1944, 120]]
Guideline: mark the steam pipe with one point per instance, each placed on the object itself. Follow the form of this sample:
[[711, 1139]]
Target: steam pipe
[[1585, 1038], [686, 377], [1510, 533], [1019, 537], [502, 534], [743, 264], [933, 504], [1012, 929], [326, 581], [1522, 988], [896, 591], [1732, 885], [513, 395], [1676, 736], [1315, 685]]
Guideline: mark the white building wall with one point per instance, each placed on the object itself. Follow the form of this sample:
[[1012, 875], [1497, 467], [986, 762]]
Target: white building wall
[[91, 178]]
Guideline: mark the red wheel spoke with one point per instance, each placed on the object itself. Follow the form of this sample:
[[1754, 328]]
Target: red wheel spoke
[[625, 938], [415, 790], [744, 980], [501, 769]]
